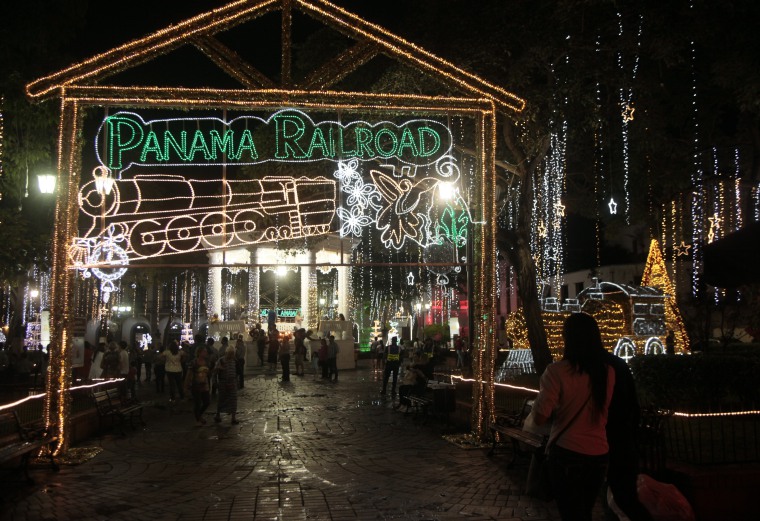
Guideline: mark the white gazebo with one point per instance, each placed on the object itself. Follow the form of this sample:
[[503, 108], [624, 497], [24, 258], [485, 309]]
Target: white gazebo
[[332, 252]]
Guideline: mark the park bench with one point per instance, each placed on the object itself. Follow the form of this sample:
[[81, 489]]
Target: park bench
[[110, 404], [19, 442], [510, 427], [421, 403], [435, 398]]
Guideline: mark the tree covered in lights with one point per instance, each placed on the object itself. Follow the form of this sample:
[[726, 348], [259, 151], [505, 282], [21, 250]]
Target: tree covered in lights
[[621, 100]]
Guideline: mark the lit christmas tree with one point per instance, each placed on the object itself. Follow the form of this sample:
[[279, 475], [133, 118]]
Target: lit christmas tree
[[656, 276]]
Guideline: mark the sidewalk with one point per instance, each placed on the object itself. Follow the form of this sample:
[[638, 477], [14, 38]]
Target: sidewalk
[[307, 449]]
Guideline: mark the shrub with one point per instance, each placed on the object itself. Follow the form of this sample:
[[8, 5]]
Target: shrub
[[701, 382]]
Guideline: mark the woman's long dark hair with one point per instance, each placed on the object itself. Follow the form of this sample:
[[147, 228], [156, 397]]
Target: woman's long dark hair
[[584, 350]]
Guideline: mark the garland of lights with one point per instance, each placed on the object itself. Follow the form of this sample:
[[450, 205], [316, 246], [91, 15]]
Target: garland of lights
[[697, 175], [236, 13]]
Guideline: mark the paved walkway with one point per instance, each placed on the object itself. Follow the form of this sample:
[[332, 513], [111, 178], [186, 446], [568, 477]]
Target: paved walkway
[[308, 449]]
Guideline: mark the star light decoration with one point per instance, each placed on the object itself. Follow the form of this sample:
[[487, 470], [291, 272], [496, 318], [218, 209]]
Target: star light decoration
[[410, 279], [715, 221], [541, 229], [613, 206], [628, 110], [682, 250]]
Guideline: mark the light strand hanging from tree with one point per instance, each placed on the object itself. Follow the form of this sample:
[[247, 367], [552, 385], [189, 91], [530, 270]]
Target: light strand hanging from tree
[[697, 177], [739, 221], [598, 164], [627, 111]]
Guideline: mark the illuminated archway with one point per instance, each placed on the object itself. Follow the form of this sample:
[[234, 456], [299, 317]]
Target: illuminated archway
[[393, 204]]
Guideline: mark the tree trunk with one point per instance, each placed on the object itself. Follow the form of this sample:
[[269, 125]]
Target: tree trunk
[[525, 269], [518, 248]]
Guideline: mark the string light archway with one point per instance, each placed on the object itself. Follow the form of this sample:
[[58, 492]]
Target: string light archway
[[480, 103]]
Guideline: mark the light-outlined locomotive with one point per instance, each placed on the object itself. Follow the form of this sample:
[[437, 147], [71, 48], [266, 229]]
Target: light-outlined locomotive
[[157, 215]]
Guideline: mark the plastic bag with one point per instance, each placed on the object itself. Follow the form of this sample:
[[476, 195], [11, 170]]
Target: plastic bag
[[663, 501]]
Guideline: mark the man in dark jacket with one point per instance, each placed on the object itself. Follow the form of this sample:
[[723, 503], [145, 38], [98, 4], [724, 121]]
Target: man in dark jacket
[[622, 429], [392, 362]]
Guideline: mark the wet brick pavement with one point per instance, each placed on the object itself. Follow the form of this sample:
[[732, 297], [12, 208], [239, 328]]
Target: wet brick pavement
[[307, 449]]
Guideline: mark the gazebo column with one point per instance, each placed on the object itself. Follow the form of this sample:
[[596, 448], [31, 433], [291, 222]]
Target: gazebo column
[[308, 295], [214, 291], [343, 289], [254, 287]]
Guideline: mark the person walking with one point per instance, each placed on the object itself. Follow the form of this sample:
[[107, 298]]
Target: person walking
[[459, 347], [95, 369], [575, 393], [392, 362], [299, 341], [323, 350], [375, 353], [109, 365], [261, 345], [159, 369], [196, 383], [226, 374], [123, 359], [147, 359], [332, 359], [285, 358], [274, 350], [174, 358], [240, 352], [136, 361], [622, 430]]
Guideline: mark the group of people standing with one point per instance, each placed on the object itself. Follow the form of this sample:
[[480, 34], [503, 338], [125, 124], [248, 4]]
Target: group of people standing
[[276, 348], [199, 369], [213, 371]]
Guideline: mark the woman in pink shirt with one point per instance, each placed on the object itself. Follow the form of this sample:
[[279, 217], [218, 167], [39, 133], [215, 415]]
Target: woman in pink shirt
[[575, 395]]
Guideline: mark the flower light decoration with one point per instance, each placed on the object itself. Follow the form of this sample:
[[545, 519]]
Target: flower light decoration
[[106, 259], [400, 205]]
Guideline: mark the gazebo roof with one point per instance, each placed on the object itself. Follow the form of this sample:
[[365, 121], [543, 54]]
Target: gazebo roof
[[200, 32]]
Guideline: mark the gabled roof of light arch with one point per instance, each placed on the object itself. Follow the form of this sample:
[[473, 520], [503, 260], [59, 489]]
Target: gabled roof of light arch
[[200, 31]]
